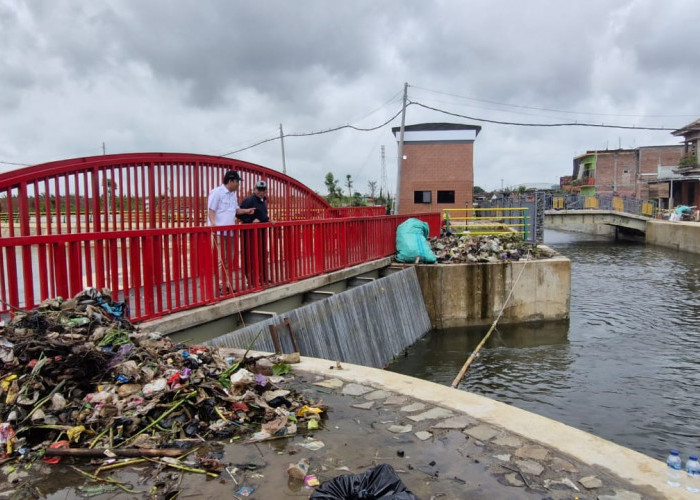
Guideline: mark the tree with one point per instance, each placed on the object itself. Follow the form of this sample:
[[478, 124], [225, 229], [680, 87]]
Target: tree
[[478, 190], [372, 186], [348, 184], [331, 185]]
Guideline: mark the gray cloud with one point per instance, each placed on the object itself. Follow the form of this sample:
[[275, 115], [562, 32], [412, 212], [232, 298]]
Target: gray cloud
[[218, 76]]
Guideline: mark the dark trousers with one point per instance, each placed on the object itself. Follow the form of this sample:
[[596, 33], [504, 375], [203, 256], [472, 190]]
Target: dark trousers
[[255, 259]]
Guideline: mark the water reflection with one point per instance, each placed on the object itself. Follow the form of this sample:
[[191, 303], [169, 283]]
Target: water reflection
[[514, 355], [625, 367]]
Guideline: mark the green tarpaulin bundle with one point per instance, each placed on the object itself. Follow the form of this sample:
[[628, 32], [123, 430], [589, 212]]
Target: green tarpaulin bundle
[[412, 242]]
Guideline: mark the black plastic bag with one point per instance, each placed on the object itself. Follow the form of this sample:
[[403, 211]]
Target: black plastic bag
[[376, 483]]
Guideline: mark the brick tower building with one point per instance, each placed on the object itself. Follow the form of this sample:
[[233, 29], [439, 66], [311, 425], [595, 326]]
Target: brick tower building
[[437, 170]]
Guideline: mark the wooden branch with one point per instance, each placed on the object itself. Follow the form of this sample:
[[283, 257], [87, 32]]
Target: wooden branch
[[105, 453]]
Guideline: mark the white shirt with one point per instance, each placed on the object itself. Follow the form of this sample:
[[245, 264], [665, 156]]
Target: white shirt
[[224, 203]]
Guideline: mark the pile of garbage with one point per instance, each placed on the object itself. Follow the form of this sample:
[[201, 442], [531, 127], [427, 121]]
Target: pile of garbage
[[456, 249], [78, 379]]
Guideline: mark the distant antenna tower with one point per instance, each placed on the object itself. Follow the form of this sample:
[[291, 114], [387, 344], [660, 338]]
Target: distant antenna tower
[[382, 181]]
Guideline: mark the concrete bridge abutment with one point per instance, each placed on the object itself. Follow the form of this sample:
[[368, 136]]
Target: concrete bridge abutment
[[473, 294]]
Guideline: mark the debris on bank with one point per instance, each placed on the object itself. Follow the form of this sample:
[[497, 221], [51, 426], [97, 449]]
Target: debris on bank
[[77, 379], [456, 249]]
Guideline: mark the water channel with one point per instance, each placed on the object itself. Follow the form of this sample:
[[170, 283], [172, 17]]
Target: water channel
[[625, 367]]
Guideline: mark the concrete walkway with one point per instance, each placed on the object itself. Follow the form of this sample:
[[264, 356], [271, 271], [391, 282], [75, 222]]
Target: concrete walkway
[[450, 442]]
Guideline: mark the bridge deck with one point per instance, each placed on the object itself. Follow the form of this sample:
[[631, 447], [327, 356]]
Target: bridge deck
[[554, 218]]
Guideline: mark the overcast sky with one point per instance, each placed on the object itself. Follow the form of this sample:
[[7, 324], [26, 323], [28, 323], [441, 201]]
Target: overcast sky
[[214, 77]]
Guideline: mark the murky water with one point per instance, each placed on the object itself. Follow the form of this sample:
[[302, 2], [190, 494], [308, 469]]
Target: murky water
[[624, 368]]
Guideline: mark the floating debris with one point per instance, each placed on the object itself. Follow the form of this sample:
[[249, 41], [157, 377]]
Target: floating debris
[[456, 249], [78, 379]]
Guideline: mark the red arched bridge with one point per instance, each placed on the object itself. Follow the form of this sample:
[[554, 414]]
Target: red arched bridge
[[136, 224]]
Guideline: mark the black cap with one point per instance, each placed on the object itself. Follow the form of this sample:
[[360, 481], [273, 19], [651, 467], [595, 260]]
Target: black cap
[[231, 175]]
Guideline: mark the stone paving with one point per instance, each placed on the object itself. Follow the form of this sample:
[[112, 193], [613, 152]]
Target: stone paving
[[437, 452], [476, 460]]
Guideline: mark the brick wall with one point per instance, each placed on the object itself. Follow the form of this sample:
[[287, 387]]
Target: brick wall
[[649, 160], [628, 170], [436, 167], [616, 170]]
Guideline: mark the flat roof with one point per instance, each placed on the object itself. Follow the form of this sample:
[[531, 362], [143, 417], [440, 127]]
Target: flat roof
[[431, 127]]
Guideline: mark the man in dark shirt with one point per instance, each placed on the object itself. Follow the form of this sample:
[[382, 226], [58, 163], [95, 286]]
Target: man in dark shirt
[[255, 249], [258, 201]]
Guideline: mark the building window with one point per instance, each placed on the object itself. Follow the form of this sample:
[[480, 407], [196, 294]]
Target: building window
[[421, 197], [446, 197]]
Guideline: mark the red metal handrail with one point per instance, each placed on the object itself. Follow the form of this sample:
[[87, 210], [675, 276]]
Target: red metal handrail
[[159, 271], [136, 191], [135, 223]]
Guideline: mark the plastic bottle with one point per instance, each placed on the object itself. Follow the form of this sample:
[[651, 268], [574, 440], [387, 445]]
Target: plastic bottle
[[692, 472], [674, 472]]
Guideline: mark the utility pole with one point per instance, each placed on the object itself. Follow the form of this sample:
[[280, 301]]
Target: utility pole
[[403, 124], [284, 163], [382, 179], [104, 150]]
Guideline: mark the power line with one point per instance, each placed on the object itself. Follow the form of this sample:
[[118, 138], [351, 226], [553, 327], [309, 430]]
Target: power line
[[520, 124], [319, 132], [548, 109], [12, 163], [395, 97], [485, 120]]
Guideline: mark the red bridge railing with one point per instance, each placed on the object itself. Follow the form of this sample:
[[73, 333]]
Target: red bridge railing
[[136, 224], [159, 271], [142, 191]]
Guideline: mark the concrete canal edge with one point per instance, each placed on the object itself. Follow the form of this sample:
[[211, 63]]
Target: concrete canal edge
[[542, 293], [473, 294], [677, 235], [629, 465]]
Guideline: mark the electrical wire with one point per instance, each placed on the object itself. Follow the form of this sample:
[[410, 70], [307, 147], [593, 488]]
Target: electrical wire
[[13, 163], [468, 117], [520, 124], [319, 132], [548, 109]]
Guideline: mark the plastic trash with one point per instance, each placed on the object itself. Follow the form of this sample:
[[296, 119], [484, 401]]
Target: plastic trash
[[155, 387], [412, 242], [299, 470], [312, 444], [7, 354], [7, 438], [311, 481], [242, 377], [692, 471], [308, 410], [378, 482], [673, 469], [57, 444], [245, 491]]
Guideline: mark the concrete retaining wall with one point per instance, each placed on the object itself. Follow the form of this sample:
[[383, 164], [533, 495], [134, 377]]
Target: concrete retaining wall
[[367, 325], [678, 235], [473, 294]]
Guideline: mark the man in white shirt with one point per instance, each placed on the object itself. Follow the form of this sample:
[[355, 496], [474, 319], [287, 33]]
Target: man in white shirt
[[222, 208]]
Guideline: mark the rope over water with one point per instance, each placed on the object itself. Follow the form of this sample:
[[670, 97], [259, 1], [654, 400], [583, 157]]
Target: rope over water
[[475, 353]]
